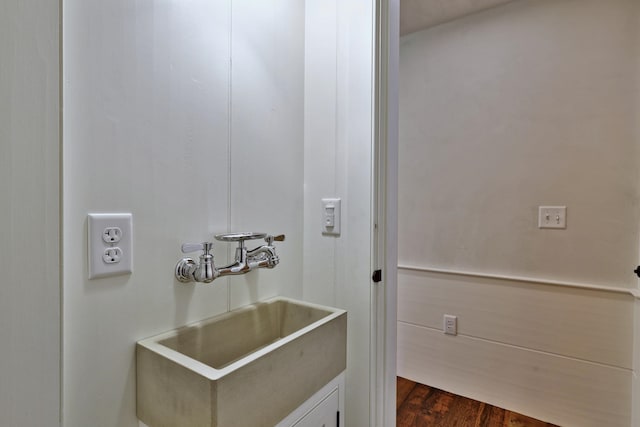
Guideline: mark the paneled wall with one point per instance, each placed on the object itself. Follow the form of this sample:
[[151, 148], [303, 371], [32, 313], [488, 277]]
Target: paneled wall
[[527, 104], [158, 123], [559, 353], [29, 213], [338, 162], [200, 117]]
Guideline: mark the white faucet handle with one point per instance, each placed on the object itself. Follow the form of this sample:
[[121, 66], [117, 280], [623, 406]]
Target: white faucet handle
[[193, 247]]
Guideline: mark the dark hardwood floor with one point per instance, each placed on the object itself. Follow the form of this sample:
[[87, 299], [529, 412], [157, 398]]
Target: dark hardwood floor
[[423, 406]]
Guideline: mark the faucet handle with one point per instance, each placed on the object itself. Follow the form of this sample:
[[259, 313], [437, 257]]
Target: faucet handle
[[270, 239], [193, 247]]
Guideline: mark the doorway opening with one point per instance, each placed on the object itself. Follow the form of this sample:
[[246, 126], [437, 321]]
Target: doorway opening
[[506, 108]]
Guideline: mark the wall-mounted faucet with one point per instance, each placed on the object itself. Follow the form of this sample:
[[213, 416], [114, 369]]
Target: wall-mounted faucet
[[189, 270]]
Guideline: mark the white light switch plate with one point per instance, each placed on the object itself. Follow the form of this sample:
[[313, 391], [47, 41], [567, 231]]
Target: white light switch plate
[[331, 216], [110, 244], [552, 217]]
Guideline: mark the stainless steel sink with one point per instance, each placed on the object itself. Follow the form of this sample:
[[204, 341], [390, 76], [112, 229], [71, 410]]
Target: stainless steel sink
[[248, 367]]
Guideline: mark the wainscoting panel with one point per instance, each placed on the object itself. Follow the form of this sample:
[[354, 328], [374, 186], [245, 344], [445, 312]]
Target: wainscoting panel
[[557, 353], [552, 388], [593, 325]]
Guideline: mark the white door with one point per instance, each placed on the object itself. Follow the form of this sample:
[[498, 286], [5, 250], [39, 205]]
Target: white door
[[29, 215]]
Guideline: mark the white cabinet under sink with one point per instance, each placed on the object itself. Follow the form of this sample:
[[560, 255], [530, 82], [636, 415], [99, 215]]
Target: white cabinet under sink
[[323, 409], [325, 414]]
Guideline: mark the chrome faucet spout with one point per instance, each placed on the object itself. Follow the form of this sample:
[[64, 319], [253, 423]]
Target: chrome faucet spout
[[239, 266], [264, 256]]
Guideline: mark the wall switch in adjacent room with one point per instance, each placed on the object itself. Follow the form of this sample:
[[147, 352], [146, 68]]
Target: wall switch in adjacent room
[[450, 324], [552, 217], [110, 244]]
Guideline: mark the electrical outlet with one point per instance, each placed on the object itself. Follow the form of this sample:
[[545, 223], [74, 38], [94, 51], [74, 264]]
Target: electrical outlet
[[450, 324], [112, 255], [110, 244], [112, 234]]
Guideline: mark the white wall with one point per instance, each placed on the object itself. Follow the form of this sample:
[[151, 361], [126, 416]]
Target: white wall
[[29, 214], [338, 160], [266, 150], [418, 15], [502, 120], [528, 104], [203, 146], [157, 123]]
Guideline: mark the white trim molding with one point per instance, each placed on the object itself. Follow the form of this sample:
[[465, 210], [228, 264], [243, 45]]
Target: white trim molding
[[633, 292]]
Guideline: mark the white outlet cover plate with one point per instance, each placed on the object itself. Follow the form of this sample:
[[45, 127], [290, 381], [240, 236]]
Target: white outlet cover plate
[[450, 324], [97, 223]]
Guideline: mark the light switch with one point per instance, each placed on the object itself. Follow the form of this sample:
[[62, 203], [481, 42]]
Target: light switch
[[552, 217], [331, 217]]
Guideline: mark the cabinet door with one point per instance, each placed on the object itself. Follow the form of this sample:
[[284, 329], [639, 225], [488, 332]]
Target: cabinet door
[[323, 415]]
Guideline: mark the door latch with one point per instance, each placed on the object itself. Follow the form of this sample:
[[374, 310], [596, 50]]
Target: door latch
[[377, 276]]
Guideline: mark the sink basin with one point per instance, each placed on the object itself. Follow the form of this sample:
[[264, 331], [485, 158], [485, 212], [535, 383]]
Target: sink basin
[[249, 367]]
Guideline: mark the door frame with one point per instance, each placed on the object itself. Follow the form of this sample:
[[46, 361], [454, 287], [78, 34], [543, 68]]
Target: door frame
[[385, 201]]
